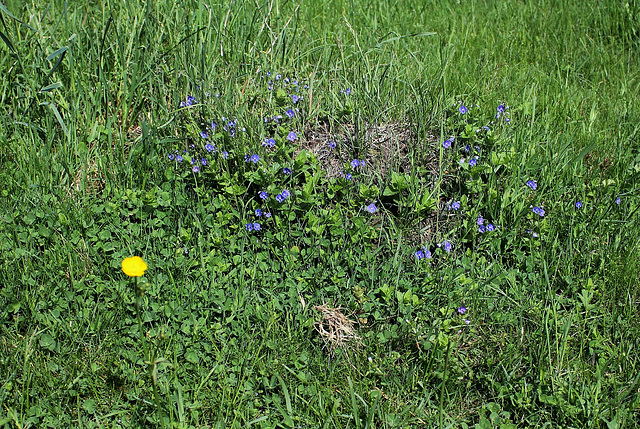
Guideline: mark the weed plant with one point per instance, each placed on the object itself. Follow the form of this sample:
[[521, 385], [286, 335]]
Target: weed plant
[[383, 214]]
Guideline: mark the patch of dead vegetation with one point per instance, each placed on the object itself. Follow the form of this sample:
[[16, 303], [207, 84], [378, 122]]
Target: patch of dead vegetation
[[335, 329]]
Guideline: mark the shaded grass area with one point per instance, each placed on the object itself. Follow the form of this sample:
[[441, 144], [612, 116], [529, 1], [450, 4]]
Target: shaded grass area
[[531, 324]]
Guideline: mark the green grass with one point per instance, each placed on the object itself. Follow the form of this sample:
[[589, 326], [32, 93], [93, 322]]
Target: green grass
[[90, 107]]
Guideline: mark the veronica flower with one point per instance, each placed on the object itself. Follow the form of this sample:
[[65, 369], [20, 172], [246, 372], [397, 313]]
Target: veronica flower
[[225, 154], [279, 198], [371, 208], [537, 210], [455, 205], [179, 158], [258, 212], [348, 176], [462, 109], [256, 226], [355, 163], [618, 201], [462, 310], [292, 136], [473, 162], [290, 113], [204, 161], [295, 99], [578, 205], [255, 158], [171, 156], [482, 229], [263, 195], [285, 193], [532, 184], [204, 134], [286, 170], [332, 144], [196, 169], [269, 143]]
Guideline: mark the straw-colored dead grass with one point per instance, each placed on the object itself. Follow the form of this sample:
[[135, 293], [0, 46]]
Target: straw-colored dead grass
[[335, 329]]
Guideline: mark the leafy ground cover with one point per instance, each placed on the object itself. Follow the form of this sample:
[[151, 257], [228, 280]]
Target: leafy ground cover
[[396, 214]]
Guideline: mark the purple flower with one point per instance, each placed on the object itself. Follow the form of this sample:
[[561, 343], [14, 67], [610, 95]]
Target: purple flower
[[171, 156], [290, 113], [447, 143], [263, 195], [427, 253], [455, 205], [578, 205], [295, 99], [482, 229], [269, 143], [371, 208], [204, 134], [193, 161], [256, 226], [225, 154], [332, 144], [419, 255], [348, 176], [267, 215], [532, 184], [480, 220], [447, 246], [501, 108], [209, 147], [258, 212], [347, 91], [467, 148], [285, 193], [179, 158], [196, 169], [213, 125], [462, 310], [618, 201], [473, 162], [249, 226], [462, 109], [355, 163], [286, 170], [491, 228], [204, 161], [255, 158], [537, 210], [279, 198], [292, 136]]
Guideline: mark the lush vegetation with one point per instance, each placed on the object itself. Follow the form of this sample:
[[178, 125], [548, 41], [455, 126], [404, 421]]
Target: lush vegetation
[[351, 214]]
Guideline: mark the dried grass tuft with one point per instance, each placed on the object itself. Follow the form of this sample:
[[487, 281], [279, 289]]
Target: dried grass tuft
[[336, 330]]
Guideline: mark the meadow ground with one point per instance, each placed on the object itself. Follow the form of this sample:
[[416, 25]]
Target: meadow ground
[[350, 214]]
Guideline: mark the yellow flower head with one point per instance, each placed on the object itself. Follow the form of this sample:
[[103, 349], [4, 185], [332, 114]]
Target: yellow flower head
[[134, 266]]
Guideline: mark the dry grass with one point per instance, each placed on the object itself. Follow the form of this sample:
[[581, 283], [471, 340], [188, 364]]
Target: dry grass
[[336, 330]]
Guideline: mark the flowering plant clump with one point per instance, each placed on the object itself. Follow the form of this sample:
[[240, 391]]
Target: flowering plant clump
[[134, 266]]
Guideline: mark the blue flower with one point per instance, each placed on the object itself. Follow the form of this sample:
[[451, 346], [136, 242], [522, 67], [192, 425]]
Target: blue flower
[[179, 158], [286, 170], [455, 205], [462, 310], [295, 99], [193, 161], [258, 212], [462, 109], [172, 156], [447, 246], [618, 201], [225, 154], [427, 253], [491, 228], [196, 169], [501, 108], [285, 193], [213, 125], [204, 134], [249, 226], [482, 229], [473, 162], [467, 148], [480, 220], [537, 210], [332, 144], [530, 231], [204, 161], [371, 208], [532, 184], [348, 176], [269, 143], [255, 158], [291, 113], [279, 198], [267, 215], [209, 147], [355, 163], [347, 91], [447, 143], [263, 195], [578, 205], [419, 255], [292, 136], [256, 226]]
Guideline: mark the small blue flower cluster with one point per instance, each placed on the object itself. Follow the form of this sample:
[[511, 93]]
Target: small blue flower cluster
[[482, 228]]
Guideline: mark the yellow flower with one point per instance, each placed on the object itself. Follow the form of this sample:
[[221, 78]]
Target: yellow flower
[[134, 266]]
